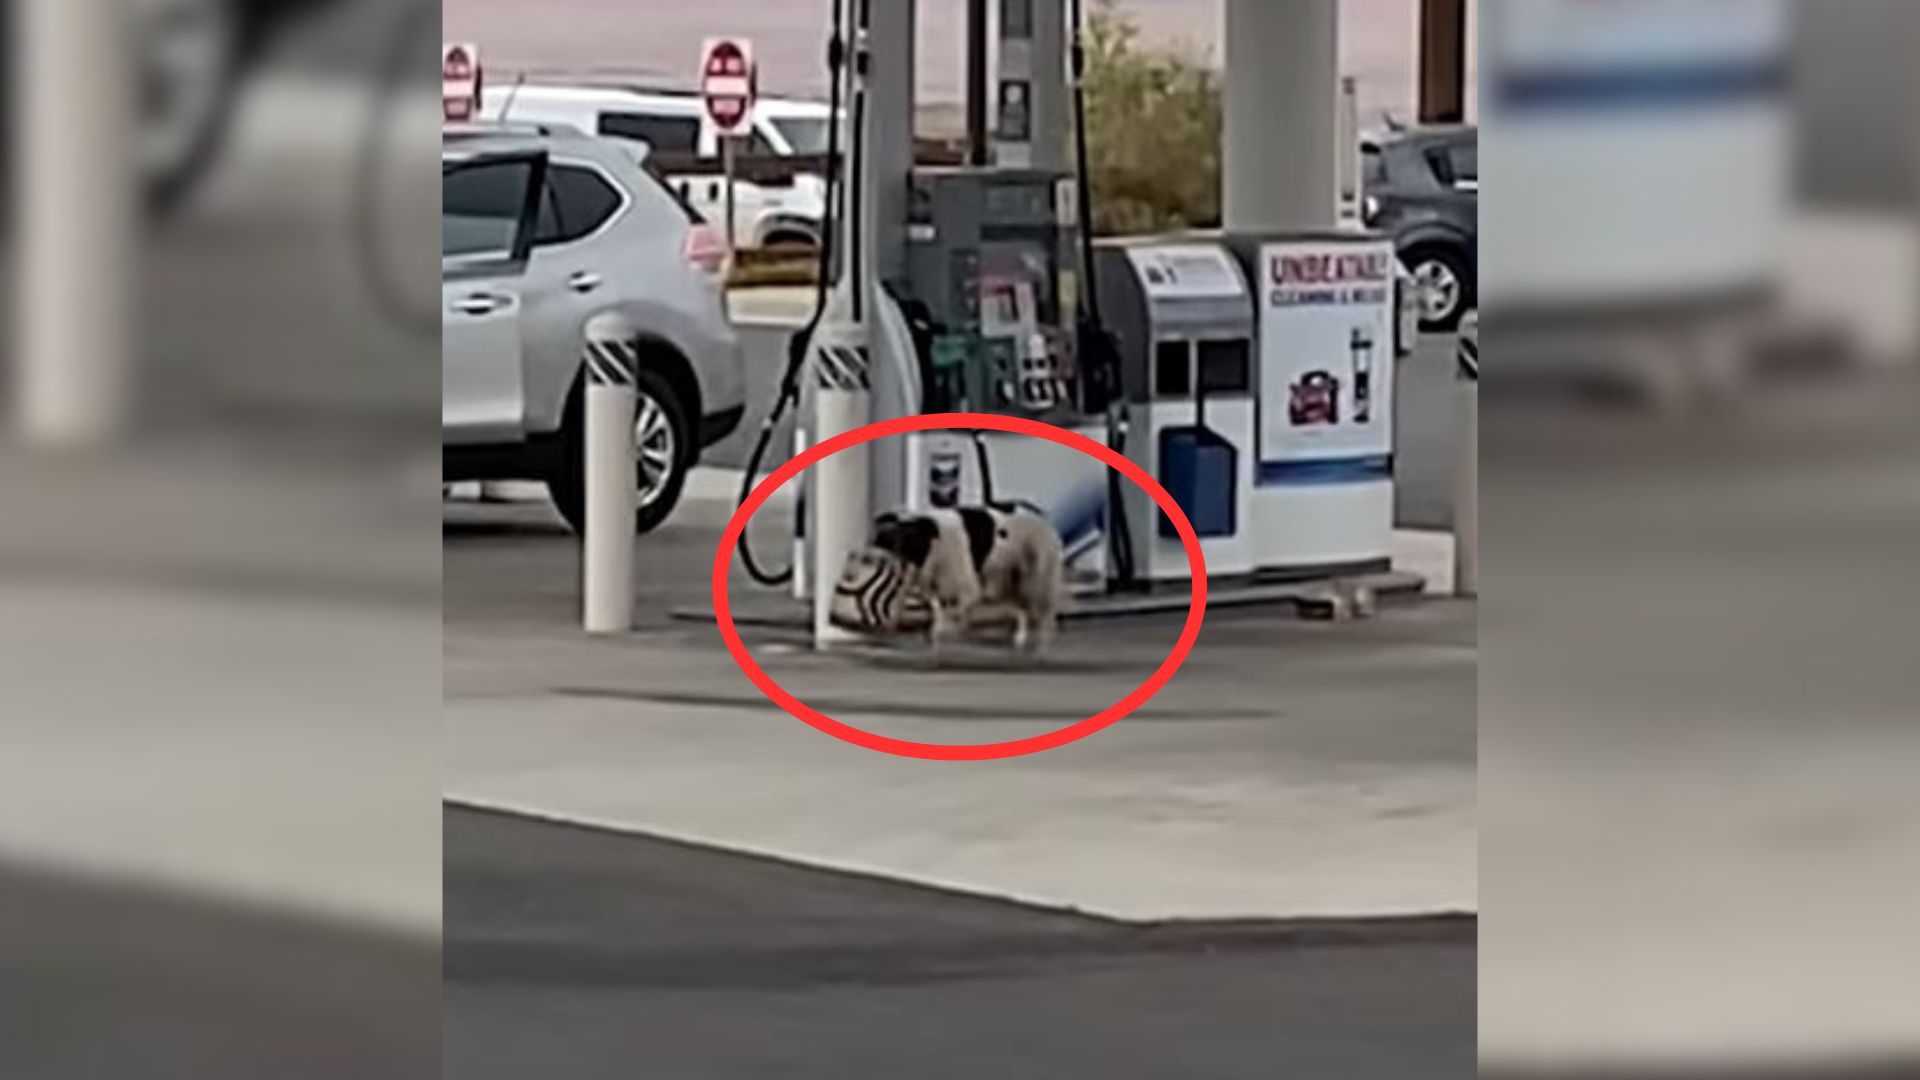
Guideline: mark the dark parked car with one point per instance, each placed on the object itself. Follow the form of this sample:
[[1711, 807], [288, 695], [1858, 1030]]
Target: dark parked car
[[1423, 188]]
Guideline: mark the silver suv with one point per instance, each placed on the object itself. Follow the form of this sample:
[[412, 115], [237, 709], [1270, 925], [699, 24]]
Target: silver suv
[[543, 229]]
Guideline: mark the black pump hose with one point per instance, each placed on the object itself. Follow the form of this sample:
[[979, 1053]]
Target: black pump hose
[[1093, 328], [798, 344]]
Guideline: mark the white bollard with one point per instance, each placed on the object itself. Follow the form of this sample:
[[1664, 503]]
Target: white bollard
[[1466, 502], [76, 206], [838, 514], [802, 506], [607, 548]]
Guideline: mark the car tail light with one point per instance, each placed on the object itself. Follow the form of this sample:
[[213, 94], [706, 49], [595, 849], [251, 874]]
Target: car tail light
[[706, 249]]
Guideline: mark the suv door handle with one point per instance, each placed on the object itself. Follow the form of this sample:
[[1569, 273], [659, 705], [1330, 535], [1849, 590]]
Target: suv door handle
[[479, 304], [585, 281]]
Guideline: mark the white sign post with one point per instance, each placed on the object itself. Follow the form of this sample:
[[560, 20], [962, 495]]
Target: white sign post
[[76, 206], [1466, 501], [728, 82], [459, 83]]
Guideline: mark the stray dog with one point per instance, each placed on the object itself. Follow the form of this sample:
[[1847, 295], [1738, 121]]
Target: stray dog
[[977, 561]]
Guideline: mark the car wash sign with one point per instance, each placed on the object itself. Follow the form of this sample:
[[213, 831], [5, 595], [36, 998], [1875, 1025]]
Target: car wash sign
[[727, 84], [459, 83], [1326, 360]]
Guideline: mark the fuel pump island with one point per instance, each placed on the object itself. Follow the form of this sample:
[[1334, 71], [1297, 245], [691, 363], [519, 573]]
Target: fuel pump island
[[1250, 372]]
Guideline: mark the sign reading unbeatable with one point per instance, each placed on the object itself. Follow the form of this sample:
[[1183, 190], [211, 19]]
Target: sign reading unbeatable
[[727, 84], [1326, 363]]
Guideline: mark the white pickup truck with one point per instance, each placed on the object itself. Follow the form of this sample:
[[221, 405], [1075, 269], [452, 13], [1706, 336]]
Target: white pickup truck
[[669, 123]]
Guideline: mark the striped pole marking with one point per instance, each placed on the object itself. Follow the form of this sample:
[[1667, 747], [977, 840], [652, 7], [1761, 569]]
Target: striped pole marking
[[612, 363], [1467, 355], [843, 367]]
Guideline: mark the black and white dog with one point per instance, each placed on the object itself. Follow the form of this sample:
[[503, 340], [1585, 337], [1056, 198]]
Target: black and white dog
[[977, 562]]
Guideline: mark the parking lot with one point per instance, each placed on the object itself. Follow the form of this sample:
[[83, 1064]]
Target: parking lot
[[633, 834], [1292, 770], [1371, 728]]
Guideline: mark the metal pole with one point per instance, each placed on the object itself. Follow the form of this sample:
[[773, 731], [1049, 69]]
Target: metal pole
[[727, 167], [885, 169], [803, 498], [1443, 61], [1351, 196], [1032, 130], [838, 507], [1466, 503], [887, 144], [1052, 87], [978, 134], [611, 474], [733, 247], [77, 214]]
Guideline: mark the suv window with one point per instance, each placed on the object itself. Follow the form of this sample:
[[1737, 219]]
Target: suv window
[[686, 208], [1373, 166], [480, 206], [666, 134], [1455, 162], [758, 145], [806, 134], [576, 202]]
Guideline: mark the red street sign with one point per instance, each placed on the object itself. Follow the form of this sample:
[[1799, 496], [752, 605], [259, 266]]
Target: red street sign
[[727, 84], [459, 83]]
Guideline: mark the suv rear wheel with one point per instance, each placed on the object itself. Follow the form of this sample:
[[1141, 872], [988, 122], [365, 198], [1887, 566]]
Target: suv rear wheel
[[1445, 284], [664, 449]]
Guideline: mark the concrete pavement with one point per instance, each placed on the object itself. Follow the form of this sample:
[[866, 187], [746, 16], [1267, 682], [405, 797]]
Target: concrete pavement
[[1291, 768], [1697, 729], [240, 637], [107, 976]]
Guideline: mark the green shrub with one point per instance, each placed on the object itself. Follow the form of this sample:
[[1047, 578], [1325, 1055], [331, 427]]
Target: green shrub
[[1153, 131]]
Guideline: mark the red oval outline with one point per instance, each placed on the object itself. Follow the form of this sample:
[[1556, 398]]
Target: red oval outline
[[730, 540]]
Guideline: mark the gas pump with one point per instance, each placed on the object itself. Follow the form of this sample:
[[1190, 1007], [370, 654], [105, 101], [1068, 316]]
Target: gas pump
[[1253, 376], [962, 296], [992, 283], [1181, 316]]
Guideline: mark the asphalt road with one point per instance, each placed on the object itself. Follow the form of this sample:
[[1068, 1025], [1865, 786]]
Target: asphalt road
[[572, 952], [108, 979]]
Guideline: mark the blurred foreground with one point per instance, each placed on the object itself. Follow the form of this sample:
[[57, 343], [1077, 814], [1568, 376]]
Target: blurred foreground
[[1698, 726], [219, 613], [1699, 704]]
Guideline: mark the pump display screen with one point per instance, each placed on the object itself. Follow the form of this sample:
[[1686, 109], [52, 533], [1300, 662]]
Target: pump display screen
[[1007, 308], [1012, 290]]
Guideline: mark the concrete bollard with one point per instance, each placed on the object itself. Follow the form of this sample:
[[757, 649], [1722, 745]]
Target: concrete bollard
[[838, 513], [1466, 503], [607, 548]]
